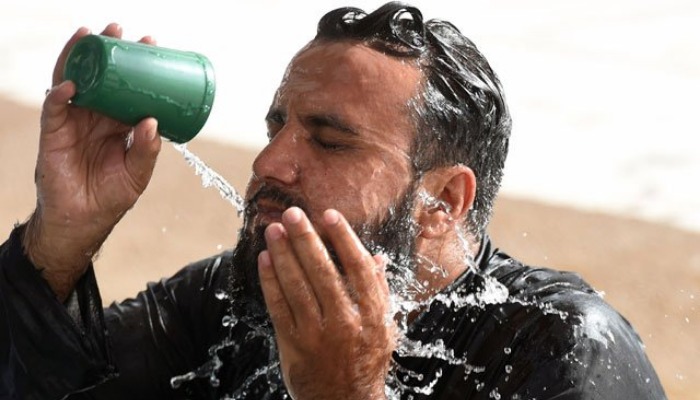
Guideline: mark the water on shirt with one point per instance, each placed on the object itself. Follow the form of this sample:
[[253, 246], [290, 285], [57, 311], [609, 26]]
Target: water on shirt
[[403, 303]]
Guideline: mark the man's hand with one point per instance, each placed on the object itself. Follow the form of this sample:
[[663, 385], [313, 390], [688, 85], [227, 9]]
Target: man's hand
[[334, 338], [86, 178]]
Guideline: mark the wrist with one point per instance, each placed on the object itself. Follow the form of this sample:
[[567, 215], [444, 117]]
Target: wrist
[[59, 256]]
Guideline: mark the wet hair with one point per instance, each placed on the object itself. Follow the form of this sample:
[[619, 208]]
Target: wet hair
[[460, 114]]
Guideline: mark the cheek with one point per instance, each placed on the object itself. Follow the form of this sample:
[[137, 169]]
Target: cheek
[[362, 191], [383, 188]]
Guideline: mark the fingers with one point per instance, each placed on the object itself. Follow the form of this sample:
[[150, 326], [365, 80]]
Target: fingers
[[277, 305], [308, 278], [361, 268], [141, 157], [113, 29], [320, 270], [148, 40], [55, 110], [297, 275], [292, 279], [381, 262]]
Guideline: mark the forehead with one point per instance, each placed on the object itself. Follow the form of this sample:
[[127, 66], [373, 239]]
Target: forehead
[[351, 78], [353, 63]]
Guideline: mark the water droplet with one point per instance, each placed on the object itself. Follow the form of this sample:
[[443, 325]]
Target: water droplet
[[229, 320], [507, 350], [509, 369]]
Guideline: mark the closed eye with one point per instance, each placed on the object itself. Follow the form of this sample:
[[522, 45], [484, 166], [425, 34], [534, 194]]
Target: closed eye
[[330, 132], [327, 144], [331, 121]]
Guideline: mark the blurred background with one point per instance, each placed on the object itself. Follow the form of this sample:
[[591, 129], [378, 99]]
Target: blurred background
[[602, 173]]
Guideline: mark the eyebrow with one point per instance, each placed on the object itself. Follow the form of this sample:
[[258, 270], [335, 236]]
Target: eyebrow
[[331, 121]]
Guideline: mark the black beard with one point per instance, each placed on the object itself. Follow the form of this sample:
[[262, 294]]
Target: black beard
[[394, 237]]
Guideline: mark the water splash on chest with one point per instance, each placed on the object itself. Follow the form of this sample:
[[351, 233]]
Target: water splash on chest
[[401, 382]]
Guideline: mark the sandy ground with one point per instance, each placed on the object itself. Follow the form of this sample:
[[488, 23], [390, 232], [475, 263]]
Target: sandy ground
[[651, 273]]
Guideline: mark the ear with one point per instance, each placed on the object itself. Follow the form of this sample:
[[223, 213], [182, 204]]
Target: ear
[[447, 196]]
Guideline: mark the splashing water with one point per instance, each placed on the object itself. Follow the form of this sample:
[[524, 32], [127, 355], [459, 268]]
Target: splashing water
[[207, 370], [402, 305], [211, 178], [396, 387]]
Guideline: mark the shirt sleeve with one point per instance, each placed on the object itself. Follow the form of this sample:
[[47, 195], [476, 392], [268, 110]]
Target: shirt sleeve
[[165, 331], [52, 350], [45, 353]]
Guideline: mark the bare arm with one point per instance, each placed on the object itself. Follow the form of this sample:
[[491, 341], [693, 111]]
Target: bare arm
[[86, 179]]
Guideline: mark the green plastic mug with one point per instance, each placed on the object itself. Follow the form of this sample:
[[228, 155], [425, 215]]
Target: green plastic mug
[[129, 81]]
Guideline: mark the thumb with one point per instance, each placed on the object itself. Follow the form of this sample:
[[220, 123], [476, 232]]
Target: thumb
[[56, 103], [141, 156]]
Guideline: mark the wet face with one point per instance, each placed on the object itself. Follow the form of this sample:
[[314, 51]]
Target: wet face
[[340, 133]]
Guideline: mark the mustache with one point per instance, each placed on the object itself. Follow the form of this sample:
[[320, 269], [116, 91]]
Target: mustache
[[277, 195]]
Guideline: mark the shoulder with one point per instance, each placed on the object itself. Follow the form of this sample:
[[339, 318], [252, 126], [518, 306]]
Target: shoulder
[[204, 274], [186, 293], [583, 312], [563, 293], [570, 328]]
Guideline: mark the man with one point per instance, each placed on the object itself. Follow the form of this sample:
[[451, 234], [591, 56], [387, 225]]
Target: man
[[363, 268]]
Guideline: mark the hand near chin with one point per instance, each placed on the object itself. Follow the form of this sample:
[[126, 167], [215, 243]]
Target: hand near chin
[[332, 332]]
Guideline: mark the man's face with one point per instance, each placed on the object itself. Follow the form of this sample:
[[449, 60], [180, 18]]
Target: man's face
[[340, 133]]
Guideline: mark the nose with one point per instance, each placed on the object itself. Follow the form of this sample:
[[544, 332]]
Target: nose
[[279, 160]]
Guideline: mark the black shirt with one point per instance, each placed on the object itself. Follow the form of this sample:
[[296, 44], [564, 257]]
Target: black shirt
[[504, 331]]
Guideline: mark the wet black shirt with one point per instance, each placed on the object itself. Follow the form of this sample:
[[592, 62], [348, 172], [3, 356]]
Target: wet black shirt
[[506, 331]]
